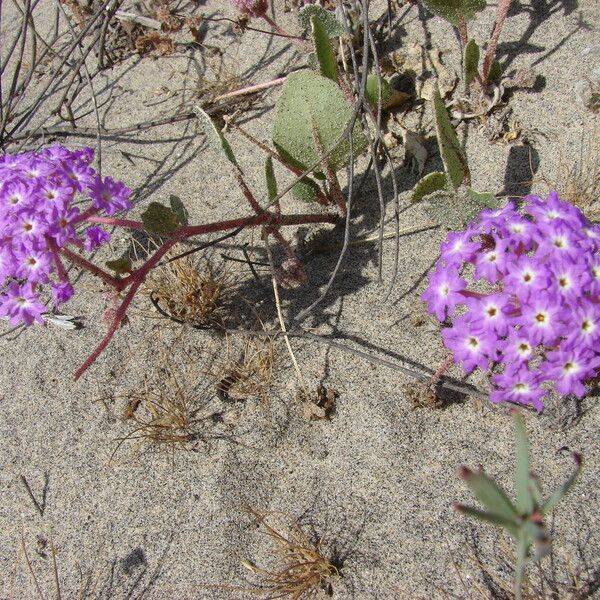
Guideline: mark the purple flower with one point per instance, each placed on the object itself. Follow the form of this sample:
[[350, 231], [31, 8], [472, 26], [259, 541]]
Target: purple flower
[[525, 276], [95, 236], [109, 195], [489, 313], [542, 317], [516, 348], [62, 292], [443, 293], [38, 218], [490, 263], [458, 248], [540, 267], [520, 385], [569, 367], [472, 347], [20, 304]]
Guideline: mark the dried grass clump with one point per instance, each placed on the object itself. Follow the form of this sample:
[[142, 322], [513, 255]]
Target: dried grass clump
[[165, 412], [188, 294], [300, 570], [153, 41], [245, 373]]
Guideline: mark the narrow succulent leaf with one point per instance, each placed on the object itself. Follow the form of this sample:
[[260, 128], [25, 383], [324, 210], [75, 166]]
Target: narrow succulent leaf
[[309, 99], [453, 157], [452, 10], [495, 519], [471, 61], [556, 497], [374, 83], [305, 190], [323, 50], [525, 500], [330, 23], [520, 565], [270, 178], [159, 219], [179, 209], [432, 182], [490, 494], [214, 136]]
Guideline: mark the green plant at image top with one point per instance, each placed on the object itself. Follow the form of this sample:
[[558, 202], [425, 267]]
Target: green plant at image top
[[523, 520]]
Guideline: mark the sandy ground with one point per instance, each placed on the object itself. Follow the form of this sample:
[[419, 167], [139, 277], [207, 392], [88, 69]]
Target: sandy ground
[[377, 480]]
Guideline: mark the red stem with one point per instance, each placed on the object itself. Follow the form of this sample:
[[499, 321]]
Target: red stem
[[78, 260], [136, 278], [490, 54], [117, 222]]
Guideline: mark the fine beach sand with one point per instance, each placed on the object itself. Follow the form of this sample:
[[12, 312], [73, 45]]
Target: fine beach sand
[[377, 480]]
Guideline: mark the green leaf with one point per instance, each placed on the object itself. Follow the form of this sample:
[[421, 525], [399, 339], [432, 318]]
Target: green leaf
[[471, 61], [451, 10], [492, 496], [179, 209], [455, 208], [495, 74], [323, 50], [120, 265], [493, 518], [454, 159], [372, 91], [556, 497], [214, 136], [270, 177], [481, 200], [432, 182], [306, 190], [309, 100], [525, 501], [332, 26], [159, 219]]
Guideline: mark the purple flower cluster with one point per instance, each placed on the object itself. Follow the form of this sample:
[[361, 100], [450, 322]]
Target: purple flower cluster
[[38, 218], [535, 317]]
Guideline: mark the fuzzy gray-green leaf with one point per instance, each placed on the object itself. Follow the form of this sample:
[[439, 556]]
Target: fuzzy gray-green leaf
[[323, 49], [471, 61], [491, 495], [159, 219], [453, 157], [179, 209], [308, 100], [332, 26], [432, 182], [451, 10], [270, 178], [214, 136], [525, 501], [372, 90], [306, 190]]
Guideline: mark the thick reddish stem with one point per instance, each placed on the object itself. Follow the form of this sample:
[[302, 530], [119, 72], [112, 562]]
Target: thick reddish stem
[[62, 272], [136, 278], [91, 267], [117, 222], [113, 328], [462, 32], [490, 54]]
